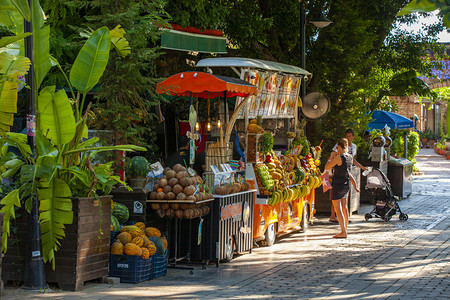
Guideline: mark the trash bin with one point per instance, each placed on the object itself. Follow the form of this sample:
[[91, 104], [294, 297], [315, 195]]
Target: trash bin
[[400, 176]]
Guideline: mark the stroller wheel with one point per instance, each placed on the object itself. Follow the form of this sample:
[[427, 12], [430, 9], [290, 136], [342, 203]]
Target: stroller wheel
[[367, 216], [387, 217], [403, 217]]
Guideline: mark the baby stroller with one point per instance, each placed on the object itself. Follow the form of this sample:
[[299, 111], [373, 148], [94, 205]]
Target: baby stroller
[[384, 200]]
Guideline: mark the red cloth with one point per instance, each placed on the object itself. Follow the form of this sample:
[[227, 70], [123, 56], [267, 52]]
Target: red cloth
[[200, 144]]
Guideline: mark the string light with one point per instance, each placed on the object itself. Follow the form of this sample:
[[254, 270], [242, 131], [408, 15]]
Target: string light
[[197, 126], [208, 126], [218, 123]]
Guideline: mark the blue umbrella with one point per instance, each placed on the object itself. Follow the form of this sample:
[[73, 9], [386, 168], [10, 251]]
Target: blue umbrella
[[382, 118]]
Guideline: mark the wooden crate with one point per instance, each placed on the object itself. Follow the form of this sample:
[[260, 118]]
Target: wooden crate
[[84, 253]]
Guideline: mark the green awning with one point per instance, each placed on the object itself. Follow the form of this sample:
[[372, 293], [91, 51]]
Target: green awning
[[186, 41]]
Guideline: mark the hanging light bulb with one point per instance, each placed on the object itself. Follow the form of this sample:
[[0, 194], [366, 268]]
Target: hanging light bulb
[[218, 123], [197, 126], [208, 126]]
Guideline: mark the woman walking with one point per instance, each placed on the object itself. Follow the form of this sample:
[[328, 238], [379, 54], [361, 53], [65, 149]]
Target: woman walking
[[341, 164]]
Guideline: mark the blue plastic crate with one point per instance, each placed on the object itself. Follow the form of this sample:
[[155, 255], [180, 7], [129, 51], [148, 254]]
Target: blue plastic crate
[[130, 268], [159, 267], [114, 235]]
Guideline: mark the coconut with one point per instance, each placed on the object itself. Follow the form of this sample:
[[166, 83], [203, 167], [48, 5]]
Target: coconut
[[171, 174], [172, 181], [162, 182], [182, 174], [188, 214], [205, 188], [191, 198], [181, 196], [177, 189], [156, 187], [189, 190], [197, 197], [179, 213], [165, 206], [156, 206], [161, 213], [167, 189], [178, 167], [220, 190], [170, 196], [170, 213], [152, 195], [166, 170], [160, 195], [175, 206], [185, 181], [201, 196], [184, 206]]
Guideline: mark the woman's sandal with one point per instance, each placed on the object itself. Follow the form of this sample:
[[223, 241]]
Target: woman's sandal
[[340, 236]]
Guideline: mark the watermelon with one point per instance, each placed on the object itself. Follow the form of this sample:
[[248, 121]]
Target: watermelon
[[160, 249], [300, 174], [138, 167], [121, 212], [115, 226]]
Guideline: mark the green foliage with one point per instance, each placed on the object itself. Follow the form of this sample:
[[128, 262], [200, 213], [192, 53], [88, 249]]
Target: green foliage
[[398, 143]]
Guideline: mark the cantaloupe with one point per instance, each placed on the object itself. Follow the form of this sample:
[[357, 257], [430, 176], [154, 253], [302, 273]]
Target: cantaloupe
[[132, 249]]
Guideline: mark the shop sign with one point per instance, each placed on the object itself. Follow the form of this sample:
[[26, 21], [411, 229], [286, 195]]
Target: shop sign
[[233, 211]]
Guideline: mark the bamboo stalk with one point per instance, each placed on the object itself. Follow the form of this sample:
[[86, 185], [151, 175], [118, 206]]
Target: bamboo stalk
[[233, 119]]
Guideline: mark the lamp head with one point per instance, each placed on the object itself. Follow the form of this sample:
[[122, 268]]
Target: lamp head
[[321, 21]]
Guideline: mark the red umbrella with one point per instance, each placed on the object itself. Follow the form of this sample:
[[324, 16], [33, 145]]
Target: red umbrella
[[205, 85]]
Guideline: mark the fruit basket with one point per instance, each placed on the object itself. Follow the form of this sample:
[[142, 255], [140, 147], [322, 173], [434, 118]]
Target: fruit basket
[[130, 268], [159, 266]]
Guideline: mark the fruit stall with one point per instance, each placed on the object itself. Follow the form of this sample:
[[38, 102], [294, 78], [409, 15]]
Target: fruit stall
[[228, 199], [285, 179]]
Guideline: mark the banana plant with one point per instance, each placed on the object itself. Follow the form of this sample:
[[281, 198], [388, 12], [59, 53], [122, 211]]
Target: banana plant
[[62, 168]]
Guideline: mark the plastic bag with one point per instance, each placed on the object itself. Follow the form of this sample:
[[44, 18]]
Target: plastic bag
[[326, 183]]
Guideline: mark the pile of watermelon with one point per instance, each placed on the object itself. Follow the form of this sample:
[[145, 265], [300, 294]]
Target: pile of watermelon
[[119, 216]]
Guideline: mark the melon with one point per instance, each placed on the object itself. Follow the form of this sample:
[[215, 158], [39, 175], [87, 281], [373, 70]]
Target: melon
[[121, 212], [132, 249], [117, 248], [115, 225], [160, 249], [152, 231], [138, 167], [124, 237]]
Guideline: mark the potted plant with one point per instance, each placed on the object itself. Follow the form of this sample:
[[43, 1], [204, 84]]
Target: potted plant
[[61, 173], [424, 137], [431, 139], [138, 169]]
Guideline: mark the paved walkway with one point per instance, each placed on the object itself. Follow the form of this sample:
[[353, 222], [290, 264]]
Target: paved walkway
[[379, 260]]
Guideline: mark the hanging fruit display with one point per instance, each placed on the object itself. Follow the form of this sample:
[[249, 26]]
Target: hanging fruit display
[[289, 177]]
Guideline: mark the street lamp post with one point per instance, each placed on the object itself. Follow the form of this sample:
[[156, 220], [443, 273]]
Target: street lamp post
[[320, 22]]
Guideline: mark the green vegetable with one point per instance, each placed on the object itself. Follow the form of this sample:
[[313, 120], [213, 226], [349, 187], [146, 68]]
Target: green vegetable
[[266, 142]]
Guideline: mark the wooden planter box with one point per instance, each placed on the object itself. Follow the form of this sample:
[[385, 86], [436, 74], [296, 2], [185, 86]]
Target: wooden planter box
[[84, 252]]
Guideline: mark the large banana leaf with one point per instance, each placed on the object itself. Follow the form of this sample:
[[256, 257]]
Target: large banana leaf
[[9, 203], [11, 67], [10, 64], [41, 45], [119, 42], [8, 103], [57, 120], [91, 61], [55, 212], [23, 8], [11, 39]]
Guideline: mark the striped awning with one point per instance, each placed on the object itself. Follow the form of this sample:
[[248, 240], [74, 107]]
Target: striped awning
[[187, 41]]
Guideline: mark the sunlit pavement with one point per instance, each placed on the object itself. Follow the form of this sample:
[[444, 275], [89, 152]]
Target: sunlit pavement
[[379, 260]]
